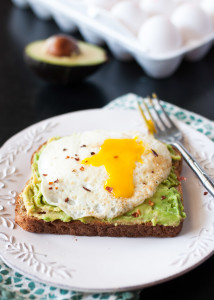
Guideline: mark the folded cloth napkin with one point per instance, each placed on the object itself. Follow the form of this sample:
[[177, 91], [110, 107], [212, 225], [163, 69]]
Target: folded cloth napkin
[[16, 286]]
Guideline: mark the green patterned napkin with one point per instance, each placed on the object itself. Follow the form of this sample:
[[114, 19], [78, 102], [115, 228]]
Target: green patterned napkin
[[197, 122], [16, 286]]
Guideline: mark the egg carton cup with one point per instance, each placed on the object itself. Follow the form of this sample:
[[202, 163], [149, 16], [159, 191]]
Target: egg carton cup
[[98, 26]]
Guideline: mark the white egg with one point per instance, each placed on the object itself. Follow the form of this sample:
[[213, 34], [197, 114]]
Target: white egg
[[154, 7], [78, 189], [105, 4], [178, 2], [192, 22], [129, 14], [208, 7], [159, 36]]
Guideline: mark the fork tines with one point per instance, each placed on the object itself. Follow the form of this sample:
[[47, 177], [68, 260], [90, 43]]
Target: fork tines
[[157, 114]]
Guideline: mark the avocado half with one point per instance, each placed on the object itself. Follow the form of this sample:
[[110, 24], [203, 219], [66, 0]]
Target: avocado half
[[64, 69]]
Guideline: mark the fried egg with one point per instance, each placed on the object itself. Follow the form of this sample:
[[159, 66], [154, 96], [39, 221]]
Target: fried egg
[[102, 174]]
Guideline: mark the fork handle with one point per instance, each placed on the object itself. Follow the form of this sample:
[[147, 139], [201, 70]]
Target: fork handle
[[203, 177]]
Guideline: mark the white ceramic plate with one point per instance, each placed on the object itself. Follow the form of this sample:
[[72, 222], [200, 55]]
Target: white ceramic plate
[[99, 264]]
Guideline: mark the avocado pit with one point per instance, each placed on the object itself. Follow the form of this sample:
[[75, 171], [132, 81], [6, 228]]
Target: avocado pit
[[62, 45]]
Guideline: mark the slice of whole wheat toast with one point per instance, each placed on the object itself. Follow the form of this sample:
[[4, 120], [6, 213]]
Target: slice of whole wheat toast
[[96, 227]]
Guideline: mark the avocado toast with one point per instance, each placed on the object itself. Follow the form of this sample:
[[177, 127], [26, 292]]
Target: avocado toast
[[160, 215]]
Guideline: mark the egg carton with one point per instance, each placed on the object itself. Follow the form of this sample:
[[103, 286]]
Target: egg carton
[[99, 26]]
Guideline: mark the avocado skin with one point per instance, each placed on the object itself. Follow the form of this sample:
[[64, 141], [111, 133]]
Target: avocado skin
[[61, 74]]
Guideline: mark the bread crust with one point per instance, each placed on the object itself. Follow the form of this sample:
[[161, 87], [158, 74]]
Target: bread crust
[[95, 227]]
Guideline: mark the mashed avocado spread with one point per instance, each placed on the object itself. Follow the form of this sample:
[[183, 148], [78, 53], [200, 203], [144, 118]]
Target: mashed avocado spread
[[164, 208]]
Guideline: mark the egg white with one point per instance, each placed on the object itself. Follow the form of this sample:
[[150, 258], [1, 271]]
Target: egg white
[[80, 193]]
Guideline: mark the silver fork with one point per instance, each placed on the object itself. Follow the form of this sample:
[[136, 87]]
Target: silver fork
[[172, 135]]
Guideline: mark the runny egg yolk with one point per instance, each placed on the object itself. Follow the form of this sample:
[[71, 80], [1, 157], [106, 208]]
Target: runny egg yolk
[[119, 157]]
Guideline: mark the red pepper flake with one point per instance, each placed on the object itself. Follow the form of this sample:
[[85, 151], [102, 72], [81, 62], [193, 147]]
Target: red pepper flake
[[163, 197], [155, 153], [50, 188], [92, 153], [151, 203], [45, 174], [64, 149], [86, 161], [136, 214], [67, 157], [205, 193], [82, 168], [56, 187], [109, 189], [153, 172], [66, 199], [182, 178], [82, 146], [116, 156], [56, 181], [77, 158], [41, 212], [76, 154], [51, 182], [86, 189]]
